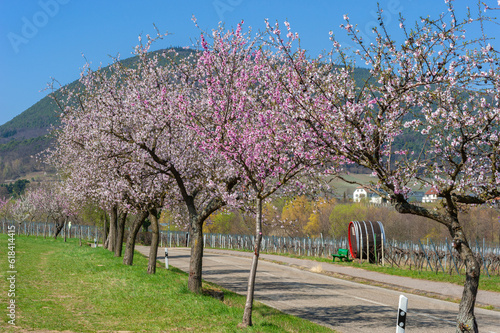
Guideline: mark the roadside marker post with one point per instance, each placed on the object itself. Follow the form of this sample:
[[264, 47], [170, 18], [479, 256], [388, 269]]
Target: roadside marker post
[[166, 258], [402, 311]]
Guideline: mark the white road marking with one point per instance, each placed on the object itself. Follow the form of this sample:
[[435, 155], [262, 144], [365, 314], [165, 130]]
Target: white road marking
[[240, 267], [368, 300], [432, 317]]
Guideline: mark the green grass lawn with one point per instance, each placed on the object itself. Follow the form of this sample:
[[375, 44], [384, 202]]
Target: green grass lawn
[[64, 287]]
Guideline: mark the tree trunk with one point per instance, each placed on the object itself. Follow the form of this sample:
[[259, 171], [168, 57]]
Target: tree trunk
[[466, 320], [112, 229], [45, 228], [105, 233], [119, 234], [247, 315], [153, 250], [196, 259], [196, 223], [65, 229], [58, 226], [128, 256]]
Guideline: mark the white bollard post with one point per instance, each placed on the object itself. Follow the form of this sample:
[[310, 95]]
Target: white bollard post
[[166, 258], [402, 311], [95, 242]]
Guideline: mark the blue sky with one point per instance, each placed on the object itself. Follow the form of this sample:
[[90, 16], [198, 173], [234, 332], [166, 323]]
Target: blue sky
[[46, 38]]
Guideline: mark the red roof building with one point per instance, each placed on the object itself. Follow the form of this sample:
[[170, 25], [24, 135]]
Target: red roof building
[[430, 196]]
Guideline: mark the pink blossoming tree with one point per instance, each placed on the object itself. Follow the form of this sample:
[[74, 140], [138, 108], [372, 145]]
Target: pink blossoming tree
[[242, 120], [439, 87], [99, 167], [135, 119]]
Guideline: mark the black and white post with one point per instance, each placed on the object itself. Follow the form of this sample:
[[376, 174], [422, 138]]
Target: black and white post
[[402, 311], [166, 258]]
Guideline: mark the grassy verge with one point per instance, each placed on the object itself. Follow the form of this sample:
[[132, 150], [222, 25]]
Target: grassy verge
[[64, 287], [491, 283]]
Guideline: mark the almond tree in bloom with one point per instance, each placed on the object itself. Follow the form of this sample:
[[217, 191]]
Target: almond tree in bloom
[[30, 206], [89, 176], [50, 202], [438, 87], [21, 210], [44, 201], [242, 120], [99, 167], [135, 119], [34, 199], [115, 182], [3, 203], [4, 210], [61, 209]]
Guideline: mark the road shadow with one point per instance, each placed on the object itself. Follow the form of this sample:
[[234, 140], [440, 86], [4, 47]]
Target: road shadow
[[368, 317]]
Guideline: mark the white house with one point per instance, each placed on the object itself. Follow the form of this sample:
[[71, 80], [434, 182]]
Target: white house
[[430, 196], [361, 193], [376, 199]]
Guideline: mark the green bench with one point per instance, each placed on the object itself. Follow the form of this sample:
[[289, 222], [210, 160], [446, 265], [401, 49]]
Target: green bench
[[342, 254]]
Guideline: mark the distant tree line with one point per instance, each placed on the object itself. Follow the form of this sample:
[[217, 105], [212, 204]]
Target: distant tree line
[[15, 189]]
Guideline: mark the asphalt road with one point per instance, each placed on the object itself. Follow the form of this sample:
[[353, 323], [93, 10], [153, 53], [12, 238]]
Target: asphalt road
[[342, 305]]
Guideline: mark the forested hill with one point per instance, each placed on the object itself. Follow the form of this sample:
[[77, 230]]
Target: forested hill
[[27, 134], [33, 122]]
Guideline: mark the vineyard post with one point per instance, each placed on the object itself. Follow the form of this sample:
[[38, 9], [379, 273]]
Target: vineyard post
[[452, 257], [437, 256], [482, 257], [425, 254]]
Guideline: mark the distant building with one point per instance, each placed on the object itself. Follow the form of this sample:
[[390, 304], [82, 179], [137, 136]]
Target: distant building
[[430, 196], [361, 193]]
